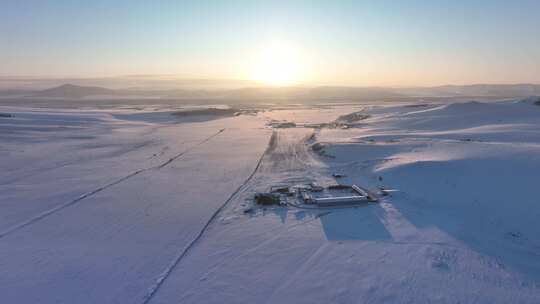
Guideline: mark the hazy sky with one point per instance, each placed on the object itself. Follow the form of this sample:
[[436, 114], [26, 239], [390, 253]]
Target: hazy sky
[[337, 42]]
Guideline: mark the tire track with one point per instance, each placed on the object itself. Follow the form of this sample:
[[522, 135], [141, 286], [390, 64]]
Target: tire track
[[165, 274], [53, 210]]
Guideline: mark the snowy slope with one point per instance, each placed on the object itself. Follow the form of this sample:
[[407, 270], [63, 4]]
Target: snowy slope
[[113, 245], [460, 229]]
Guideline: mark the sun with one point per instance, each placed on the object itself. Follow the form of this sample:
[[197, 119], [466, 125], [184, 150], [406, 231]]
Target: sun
[[278, 64]]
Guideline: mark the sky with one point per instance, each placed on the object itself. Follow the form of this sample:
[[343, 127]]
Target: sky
[[364, 43]]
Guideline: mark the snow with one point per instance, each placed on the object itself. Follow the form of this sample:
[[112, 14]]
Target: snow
[[114, 244], [166, 214]]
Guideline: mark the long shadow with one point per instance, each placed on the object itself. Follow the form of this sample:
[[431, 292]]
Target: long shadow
[[360, 223], [487, 216], [355, 223]]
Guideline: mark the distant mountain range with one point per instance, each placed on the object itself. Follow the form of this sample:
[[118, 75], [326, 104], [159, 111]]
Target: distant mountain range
[[505, 90], [324, 93], [74, 91]]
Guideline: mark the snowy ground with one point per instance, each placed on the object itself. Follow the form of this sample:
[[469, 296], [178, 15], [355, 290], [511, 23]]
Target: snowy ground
[[147, 190], [125, 206]]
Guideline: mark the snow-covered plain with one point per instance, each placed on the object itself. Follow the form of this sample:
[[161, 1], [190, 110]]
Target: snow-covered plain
[[148, 189], [126, 206]]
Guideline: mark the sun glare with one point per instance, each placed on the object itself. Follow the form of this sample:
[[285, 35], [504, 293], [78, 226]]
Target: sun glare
[[278, 65]]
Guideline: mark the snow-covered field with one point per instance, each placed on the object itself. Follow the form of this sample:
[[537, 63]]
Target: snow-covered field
[[141, 206]]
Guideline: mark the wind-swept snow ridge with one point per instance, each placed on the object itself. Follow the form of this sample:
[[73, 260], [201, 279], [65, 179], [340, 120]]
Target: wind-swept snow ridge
[[97, 190]]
